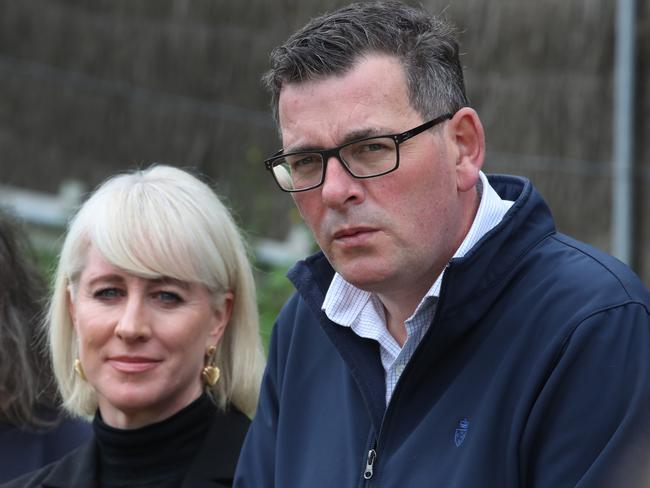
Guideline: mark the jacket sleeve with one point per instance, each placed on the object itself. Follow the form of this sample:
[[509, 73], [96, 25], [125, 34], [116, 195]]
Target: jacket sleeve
[[256, 466], [590, 426]]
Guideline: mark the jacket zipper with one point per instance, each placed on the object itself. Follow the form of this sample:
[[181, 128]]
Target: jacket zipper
[[371, 457], [370, 461]]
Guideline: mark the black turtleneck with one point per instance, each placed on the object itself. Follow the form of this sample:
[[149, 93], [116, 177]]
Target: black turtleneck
[[157, 455]]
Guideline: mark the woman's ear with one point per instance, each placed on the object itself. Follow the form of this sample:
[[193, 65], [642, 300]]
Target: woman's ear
[[467, 134], [69, 298], [221, 316]]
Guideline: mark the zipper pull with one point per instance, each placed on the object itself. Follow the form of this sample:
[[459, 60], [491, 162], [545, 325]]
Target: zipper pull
[[372, 455]]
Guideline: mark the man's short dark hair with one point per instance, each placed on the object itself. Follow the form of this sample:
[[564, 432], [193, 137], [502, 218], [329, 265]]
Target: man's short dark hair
[[332, 44]]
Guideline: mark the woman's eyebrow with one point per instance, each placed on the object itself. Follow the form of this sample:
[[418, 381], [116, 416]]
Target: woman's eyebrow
[[166, 280], [106, 278]]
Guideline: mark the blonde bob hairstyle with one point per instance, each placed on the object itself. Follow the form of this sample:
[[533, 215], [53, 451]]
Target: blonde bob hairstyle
[[161, 222]]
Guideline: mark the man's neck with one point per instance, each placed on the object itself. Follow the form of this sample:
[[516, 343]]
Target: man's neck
[[401, 303], [399, 307]]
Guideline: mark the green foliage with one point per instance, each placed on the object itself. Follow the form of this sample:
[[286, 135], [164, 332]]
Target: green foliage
[[46, 261], [273, 289]]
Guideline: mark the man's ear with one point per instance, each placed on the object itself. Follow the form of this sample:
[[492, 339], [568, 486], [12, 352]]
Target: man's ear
[[467, 134]]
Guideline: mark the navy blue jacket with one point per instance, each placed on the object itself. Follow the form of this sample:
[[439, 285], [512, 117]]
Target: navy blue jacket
[[534, 373], [23, 451]]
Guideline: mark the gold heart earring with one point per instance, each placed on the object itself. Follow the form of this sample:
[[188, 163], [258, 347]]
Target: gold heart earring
[[79, 369], [210, 374]]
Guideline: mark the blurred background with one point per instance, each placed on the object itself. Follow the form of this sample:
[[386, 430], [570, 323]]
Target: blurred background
[[91, 88]]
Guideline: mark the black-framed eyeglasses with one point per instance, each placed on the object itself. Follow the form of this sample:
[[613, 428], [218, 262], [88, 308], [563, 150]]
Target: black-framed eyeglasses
[[363, 158]]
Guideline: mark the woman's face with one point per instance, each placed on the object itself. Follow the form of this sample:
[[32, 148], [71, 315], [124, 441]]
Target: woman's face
[[142, 342]]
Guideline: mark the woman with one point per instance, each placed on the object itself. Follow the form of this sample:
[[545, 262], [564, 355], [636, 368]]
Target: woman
[[33, 432], [153, 330]]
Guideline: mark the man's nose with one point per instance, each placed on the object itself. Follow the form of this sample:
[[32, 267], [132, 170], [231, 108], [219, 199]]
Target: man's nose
[[340, 188]]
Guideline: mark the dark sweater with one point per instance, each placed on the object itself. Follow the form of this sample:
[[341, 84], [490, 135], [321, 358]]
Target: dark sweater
[[157, 455]]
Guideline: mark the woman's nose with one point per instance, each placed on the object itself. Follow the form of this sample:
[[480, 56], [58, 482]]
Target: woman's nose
[[133, 323]]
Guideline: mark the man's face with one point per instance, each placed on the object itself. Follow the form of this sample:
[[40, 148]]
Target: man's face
[[392, 234]]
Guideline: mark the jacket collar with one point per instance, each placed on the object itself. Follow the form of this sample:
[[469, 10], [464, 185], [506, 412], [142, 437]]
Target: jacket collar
[[481, 274]]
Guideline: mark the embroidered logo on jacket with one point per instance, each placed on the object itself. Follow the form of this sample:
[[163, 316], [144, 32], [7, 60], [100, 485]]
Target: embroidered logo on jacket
[[461, 431]]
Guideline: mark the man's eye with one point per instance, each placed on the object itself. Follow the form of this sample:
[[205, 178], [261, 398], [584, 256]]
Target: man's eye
[[301, 163], [373, 147]]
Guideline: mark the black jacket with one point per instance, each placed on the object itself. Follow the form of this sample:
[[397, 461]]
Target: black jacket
[[213, 467]]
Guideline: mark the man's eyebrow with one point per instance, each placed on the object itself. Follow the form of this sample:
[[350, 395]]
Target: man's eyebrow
[[300, 148], [355, 135], [363, 133]]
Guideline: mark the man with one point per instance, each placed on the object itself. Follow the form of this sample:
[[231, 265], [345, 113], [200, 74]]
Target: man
[[447, 335]]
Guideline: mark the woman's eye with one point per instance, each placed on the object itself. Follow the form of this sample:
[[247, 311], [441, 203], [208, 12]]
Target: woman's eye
[[168, 297], [108, 293]]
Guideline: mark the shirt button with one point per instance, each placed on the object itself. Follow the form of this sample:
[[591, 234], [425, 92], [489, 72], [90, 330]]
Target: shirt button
[[399, 369]]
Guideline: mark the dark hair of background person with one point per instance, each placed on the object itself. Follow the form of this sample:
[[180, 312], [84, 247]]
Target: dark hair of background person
[[332, 44], [27, 391]]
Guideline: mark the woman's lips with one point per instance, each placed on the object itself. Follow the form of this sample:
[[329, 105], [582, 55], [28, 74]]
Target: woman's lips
[[129, 364]]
